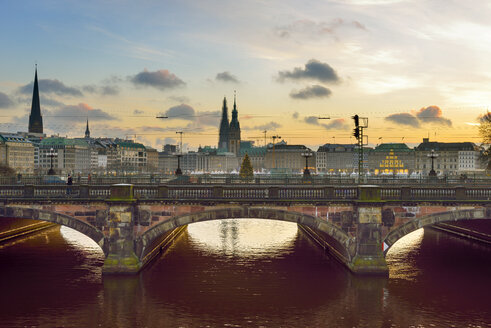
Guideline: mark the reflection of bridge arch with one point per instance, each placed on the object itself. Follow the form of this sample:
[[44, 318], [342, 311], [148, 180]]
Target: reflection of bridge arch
[[415, 224], [59, 218], [315, 223]]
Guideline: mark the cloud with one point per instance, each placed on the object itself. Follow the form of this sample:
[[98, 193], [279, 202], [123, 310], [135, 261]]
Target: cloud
[[314, 91], [186, 112], [314, 120], [432, 114], [161, 79], [314, 70], [226, 77], [106, 90], [5, 101], [78, 113], [337, 124], [271, 126], [138, 112], [308, 28], [295, 115], [403, 119], [211, 118], [182, 111], [179, 99], [48, 86]]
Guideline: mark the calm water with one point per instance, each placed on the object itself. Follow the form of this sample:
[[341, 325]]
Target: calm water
[[244, 273]]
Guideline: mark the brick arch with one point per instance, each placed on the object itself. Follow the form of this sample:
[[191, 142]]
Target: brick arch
[[59, 218], [315, 223], [415, 224]]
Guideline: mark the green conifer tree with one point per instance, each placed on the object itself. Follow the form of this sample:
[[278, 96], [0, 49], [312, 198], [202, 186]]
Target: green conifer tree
[[246, 170]]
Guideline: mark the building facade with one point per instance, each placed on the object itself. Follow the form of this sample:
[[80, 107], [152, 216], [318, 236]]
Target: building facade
[[69, 156], [391, 158], [288, 158], [448, 158], [17, 152]]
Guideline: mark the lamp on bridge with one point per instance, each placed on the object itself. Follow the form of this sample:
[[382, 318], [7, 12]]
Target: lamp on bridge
[[432, 155], [306, 154], [51, 154]]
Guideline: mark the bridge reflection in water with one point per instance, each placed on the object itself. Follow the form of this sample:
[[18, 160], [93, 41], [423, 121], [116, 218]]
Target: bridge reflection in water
[[235, 273]]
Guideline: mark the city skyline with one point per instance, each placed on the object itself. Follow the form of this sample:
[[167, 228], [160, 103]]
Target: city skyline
[[413, 69]]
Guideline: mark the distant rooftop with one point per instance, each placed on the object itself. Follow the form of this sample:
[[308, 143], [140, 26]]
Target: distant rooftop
[[397, 147]]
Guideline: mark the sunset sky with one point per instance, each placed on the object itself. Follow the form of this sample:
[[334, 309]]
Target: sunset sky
[[413, 68]]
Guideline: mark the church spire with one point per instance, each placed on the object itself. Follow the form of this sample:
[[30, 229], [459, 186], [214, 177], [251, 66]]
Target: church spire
[[224, 128], [35, 118], [234, 131], [87, 132]]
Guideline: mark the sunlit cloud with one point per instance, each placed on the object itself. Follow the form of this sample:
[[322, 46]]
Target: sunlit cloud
[[161, 79], [314, 91], [430, 114], [314, 70], [226, 77], [51, 86]]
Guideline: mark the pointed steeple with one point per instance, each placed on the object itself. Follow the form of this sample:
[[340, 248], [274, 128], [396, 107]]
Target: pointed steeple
[[234, 131], [234, 123], [87, 132], [35, 118], [224, 128]]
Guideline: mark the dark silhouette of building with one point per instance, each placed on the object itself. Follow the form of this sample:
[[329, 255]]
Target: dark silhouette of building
[[234, 132], [35, 118], [87, 131], [223, 139]]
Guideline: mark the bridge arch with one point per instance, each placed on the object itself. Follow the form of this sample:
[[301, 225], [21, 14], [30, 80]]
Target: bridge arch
[[54, 217], [152, 235], [415, 224]]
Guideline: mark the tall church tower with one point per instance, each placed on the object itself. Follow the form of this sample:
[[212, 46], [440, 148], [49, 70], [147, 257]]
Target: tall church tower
[[35, 118], [234, 133], [224, 128], [87, 131]]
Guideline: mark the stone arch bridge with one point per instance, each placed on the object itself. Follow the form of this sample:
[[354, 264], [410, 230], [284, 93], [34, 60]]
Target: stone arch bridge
[[357, 224]]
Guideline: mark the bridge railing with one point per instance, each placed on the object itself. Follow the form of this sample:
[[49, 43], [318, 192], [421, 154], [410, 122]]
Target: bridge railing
[[244, 192], [233, 179]]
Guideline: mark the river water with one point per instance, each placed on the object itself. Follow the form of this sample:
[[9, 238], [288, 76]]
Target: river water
[[244, 273]]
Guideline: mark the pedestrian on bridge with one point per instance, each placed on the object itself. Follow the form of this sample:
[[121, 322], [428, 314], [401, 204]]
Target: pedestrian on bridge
[[69, 183]]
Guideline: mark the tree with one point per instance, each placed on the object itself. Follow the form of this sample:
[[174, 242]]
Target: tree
[[246, 170], [6, 171], [485, 132]]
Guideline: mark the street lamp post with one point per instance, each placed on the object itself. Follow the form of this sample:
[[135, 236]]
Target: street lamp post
[[432, 155], [306, 171], [51, 154], [274, 138], [179, 171]]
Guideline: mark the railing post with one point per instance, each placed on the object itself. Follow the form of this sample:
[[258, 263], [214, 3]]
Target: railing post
[[163, 192], [217, 192], [329, 192], [84, 191], [369, 193], [273, 192], [405, 193], [29, 191], [460, 193]]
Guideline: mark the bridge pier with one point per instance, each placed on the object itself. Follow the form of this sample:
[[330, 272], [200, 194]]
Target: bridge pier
[[121, 257], [369, 257]]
